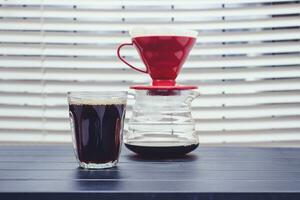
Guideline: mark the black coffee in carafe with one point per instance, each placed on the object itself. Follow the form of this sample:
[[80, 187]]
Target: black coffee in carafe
[[162, 151]]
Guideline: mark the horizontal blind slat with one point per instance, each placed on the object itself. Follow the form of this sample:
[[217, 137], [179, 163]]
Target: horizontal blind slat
[[118, 14], [234, 87], [249, 136], [205, 100], [205, 137], [199, 113], [129, 2], [59, 25], [94, 50], [22, 137], [80, 38], [201, 125], [240, 61], [244, 124], [127, 75]]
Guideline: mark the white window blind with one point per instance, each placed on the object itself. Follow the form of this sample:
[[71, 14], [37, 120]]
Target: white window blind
[[246, 63]]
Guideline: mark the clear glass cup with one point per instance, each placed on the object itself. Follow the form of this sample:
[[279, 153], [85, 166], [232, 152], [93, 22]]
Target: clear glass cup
[[97, 121]]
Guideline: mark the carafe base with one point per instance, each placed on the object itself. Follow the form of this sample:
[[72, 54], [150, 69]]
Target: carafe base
[[162, 151]]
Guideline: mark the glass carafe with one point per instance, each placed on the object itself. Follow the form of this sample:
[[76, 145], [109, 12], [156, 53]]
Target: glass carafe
[[161, 124]]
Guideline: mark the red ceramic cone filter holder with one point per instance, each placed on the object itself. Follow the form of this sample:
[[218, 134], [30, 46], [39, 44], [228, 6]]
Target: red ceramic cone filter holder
[[163, 53]]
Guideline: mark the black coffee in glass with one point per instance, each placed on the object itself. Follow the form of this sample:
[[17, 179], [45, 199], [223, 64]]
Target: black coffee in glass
[[97, 122]]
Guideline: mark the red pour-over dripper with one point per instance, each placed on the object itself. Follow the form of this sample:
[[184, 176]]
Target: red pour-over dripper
[[163, 51]]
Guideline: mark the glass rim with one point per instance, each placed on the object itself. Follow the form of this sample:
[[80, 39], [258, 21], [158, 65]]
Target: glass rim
[[97, 93], [97, 97]]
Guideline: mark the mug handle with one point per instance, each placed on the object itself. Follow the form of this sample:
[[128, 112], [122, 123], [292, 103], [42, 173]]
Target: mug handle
[[120, 57]]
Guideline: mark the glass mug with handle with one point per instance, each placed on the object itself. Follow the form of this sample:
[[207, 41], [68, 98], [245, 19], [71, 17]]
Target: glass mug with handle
[[97, 120]]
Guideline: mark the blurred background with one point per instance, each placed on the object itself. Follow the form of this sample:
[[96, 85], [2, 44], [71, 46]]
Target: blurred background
[[246, 63]]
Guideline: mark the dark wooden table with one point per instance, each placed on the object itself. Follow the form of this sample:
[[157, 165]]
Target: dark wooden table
[[50, 172]]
